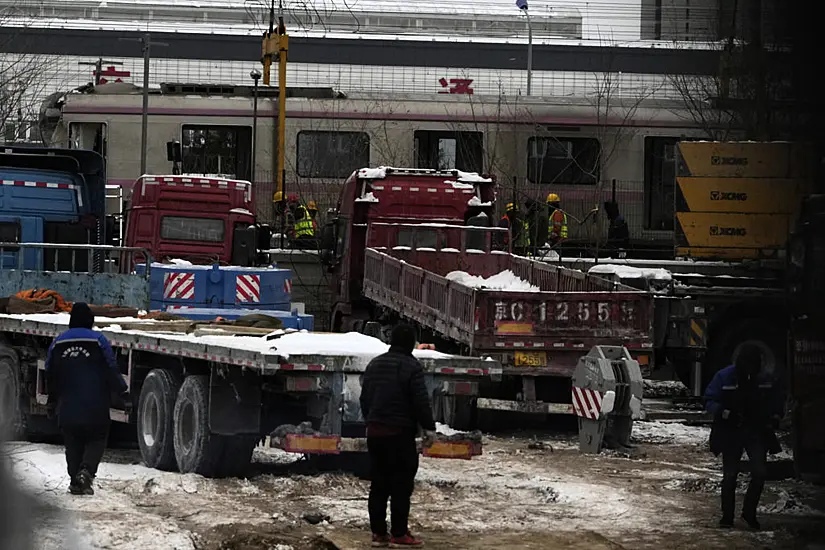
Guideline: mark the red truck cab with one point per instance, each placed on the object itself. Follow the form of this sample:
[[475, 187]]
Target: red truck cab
[[199, 219], [391, 195]]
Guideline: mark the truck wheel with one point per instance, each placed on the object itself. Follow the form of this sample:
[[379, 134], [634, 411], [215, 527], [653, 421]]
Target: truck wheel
[[155, 419], [196, 450], [11, 420]]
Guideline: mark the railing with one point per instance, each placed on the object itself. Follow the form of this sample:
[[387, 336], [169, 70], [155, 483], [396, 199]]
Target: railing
[[554, 278], [97, 274], [72, 258]]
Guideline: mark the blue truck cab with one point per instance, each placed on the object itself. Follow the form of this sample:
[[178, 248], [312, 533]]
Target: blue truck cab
[[54, 196]]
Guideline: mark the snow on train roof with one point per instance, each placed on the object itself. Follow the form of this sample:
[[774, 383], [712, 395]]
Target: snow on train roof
[[295, 343]]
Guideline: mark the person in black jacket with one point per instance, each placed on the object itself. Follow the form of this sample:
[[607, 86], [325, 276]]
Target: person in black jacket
[[618, 233], [82, 375], [394, 403], [746, 409]]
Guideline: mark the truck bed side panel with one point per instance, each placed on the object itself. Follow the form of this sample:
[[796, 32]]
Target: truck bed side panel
[[117, 289]]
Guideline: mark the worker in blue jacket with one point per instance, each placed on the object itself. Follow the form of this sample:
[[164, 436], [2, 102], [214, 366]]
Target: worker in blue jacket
[[746, 408], [82, 376]]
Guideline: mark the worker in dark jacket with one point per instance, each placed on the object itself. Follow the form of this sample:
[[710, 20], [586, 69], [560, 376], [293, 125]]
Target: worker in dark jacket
[[394, 403], [746, 409], [82, 376], [618, 233]]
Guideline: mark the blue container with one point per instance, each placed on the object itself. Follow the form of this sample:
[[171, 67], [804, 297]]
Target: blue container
[[217, 286], [293, 320]]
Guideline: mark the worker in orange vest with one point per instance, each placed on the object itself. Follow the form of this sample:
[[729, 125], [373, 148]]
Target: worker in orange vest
[[557, 220]]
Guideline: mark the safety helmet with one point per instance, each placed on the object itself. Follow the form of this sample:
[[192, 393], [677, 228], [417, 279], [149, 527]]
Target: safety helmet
[[292, 198], [510, 206], [552, 197], [312, 205], [278, 196]]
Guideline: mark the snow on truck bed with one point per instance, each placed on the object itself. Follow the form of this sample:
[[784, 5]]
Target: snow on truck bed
[[351, 344], [506, 280], [630, 272]]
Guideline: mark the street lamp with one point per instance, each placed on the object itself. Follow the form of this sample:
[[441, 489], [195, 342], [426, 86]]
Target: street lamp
[[522, 5], [255, 75]]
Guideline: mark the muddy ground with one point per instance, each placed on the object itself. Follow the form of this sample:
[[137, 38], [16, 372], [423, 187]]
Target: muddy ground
[[525, 492]]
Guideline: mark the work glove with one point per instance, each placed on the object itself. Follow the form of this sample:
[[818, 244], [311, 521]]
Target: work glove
[[429, 438]]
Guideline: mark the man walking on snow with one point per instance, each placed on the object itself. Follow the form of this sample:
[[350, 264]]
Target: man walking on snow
[[82, 375], [394, 403], [746, 409]]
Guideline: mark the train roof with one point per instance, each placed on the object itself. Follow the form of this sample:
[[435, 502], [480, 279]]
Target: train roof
[[227, 92]]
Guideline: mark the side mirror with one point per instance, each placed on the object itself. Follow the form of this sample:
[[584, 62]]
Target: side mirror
[[173, 151]]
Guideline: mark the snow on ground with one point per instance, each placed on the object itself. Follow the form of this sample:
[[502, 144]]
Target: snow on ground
[[669, 432], [506, 280], [515, 487], [42, 470], [628, 272]]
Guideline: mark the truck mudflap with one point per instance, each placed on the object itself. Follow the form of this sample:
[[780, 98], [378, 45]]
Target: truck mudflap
[[320, 444]]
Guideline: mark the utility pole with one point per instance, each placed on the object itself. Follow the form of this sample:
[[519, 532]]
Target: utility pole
[[98, 65], [146, 43], [255, 75], [522, 5]]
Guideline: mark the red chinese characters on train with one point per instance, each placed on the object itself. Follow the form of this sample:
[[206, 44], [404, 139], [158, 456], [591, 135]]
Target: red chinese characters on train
[[112, 72], [456, 86]]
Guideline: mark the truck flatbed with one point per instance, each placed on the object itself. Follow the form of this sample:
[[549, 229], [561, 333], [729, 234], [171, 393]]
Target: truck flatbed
[[278, 351]]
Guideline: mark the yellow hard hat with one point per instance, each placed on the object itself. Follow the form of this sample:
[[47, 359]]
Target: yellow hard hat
[[312, 205], [278, 196], [510, 206], [552, 197]]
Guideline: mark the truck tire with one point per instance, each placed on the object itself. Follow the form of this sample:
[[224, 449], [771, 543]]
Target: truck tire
[[155, 419], [196, 450], [11, 418]]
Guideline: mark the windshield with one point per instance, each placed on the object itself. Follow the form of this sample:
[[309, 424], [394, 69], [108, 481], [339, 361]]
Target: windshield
[[178, 228]]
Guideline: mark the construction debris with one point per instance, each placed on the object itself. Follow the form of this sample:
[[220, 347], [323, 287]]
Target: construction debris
[[304, 428]]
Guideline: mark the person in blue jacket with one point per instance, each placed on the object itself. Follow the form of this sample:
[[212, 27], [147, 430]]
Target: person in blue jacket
[[82, 375], [746, 409]]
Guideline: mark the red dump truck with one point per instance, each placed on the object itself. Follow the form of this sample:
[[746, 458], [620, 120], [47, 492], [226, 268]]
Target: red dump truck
[[399, 259]]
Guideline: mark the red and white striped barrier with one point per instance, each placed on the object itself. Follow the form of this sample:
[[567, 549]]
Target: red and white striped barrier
[[587, 403], [248, 288], [178, 286]]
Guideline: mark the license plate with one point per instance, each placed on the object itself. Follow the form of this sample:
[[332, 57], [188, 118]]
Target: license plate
[[531, 359]]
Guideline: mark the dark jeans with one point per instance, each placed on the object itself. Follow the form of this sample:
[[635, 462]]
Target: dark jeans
[[394, 463], [757, 456], [84, 448]]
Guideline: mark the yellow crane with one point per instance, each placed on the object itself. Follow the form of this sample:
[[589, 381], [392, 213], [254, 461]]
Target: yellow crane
[[276, 46]]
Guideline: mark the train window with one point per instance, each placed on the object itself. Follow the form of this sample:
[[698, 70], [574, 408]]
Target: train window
[[566, 161], [660, 178], [177, 228], [331, 154], [217, 150], [449, 150]]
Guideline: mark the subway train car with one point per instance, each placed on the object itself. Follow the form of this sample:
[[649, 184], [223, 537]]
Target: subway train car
[[586, 150]]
